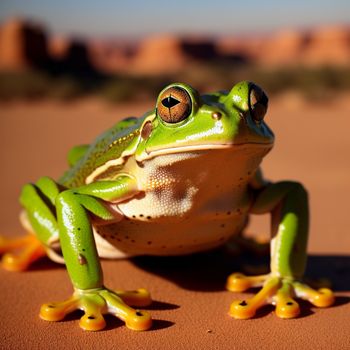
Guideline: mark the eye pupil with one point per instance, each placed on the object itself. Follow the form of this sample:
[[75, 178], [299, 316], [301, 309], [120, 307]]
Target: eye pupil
[[170, 102]]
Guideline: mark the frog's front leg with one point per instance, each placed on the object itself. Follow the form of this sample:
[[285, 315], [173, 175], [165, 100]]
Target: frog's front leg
[[74, 208], [288, 204]]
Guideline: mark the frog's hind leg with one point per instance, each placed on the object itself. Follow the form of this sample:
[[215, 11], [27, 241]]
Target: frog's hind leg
[[19, 253], [39, 220], [288, 204]]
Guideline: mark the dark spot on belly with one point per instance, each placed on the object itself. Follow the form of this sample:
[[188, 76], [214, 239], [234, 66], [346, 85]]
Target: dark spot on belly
[[78, 228], [134, 216], [222, 225], [228, 213], [132, 241], [126, 237], [149, 217], [149, 242], [141, 215]]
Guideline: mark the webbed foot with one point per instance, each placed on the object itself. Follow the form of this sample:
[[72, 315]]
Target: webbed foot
[[277, 291], [96, 302], [19, 253]]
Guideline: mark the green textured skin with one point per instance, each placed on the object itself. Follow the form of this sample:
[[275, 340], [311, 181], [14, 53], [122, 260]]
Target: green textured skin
[[39, 203], [76, 153], [76, 235], [99, 152], [287, 201], [63, 209]]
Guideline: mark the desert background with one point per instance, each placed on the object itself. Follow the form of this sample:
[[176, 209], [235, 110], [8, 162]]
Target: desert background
[[69, 71]]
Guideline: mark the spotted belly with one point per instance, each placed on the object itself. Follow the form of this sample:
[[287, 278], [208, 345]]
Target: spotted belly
[[161, 237]]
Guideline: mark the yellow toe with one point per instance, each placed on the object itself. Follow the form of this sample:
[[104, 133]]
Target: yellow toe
[[242, 310], [323, 298], [238, 282], [287, 309], [138, 320], [58, 311], [139, 297], [94, 322]]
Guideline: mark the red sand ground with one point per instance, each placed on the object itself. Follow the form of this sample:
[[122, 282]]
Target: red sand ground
[[191, 304]]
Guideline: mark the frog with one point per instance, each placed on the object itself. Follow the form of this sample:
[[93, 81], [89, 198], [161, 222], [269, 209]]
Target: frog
[[183, 178]]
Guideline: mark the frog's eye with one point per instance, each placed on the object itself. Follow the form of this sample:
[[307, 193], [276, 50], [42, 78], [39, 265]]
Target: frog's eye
[[258, 102], [174, 105]]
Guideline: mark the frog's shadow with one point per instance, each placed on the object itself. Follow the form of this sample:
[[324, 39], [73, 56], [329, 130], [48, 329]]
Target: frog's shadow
[[207, 272]]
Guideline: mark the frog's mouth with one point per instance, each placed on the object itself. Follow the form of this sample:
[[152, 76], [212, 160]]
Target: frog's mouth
[[155, 152]]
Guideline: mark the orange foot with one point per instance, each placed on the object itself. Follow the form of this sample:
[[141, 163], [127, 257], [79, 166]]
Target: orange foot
[[28, 249], [96, 302], [277, 291]]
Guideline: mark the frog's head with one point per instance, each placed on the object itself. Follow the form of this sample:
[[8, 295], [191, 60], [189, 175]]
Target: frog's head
[[184, 121]]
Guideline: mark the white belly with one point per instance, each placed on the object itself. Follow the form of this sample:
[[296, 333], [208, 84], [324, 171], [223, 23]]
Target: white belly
[[130, 238], [190, 203]]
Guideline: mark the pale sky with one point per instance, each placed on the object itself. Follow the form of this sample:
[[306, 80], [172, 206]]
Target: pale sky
[[130, 18]]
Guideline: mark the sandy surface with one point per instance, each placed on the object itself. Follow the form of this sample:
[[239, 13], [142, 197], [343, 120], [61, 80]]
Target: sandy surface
[[191, 304]]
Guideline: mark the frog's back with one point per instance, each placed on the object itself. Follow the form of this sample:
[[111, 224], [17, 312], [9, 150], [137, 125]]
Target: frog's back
[[109, 145]]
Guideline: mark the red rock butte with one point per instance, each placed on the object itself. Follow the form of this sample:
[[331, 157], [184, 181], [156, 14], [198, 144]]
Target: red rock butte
[[26, 45], [23, 45]]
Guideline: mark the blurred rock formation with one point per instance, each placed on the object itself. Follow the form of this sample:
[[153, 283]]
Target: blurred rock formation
[[70, 56], [25, 45], [159, 54], [283, 48], [328, 46]]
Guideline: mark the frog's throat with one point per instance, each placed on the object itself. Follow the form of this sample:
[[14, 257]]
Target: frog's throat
[[154, 152]]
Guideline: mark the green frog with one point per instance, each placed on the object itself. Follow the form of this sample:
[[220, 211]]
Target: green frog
[[181, 179]]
